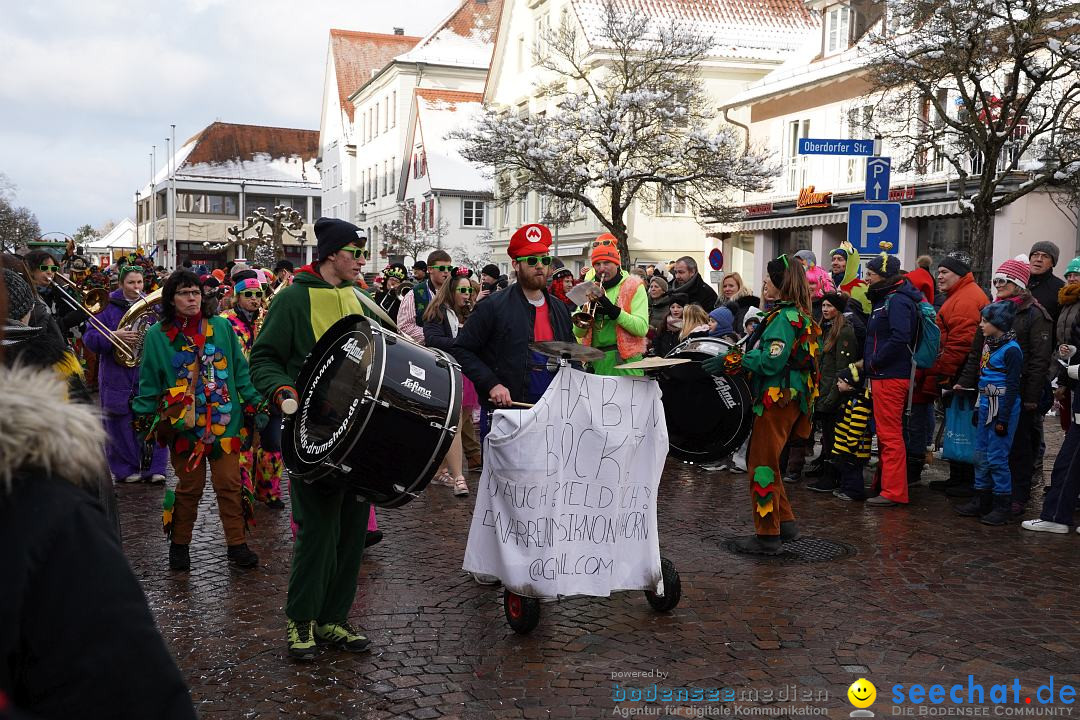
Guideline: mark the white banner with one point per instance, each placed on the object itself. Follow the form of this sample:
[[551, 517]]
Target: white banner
[[567, 501]]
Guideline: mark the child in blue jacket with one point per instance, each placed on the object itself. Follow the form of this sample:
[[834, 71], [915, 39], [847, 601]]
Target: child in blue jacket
[[997, 415]]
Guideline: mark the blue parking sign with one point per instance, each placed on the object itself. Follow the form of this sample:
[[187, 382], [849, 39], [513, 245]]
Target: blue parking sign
[[872, 223]]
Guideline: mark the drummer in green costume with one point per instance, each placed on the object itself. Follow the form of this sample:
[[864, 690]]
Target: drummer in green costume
[[622, 312]]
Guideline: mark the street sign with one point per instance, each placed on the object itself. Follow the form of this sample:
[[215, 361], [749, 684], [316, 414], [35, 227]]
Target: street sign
[[716, 276], [873, 223], [878, 170], [716, 259], [819, 146]]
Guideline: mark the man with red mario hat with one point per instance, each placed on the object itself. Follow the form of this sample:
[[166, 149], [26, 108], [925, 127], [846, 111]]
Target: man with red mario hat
[[622, 314], [493, 346]]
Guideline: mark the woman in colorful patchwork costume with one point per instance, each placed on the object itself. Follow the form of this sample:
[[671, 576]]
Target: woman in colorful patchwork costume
[[260, 469], [194, 388], [622, 314], [784, 381]]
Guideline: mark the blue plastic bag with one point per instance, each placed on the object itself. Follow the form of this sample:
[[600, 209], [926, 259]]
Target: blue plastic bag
[[959, 432]]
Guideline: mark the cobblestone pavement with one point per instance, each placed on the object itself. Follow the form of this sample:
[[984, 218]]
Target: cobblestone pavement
[[929, 597]]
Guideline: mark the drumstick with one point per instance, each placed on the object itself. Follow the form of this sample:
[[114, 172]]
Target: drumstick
[[520, 404]]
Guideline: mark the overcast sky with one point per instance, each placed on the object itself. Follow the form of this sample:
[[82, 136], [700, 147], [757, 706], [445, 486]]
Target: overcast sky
[[87, 87]]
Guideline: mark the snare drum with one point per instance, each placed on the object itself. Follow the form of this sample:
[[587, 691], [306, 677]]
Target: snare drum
[[377, 413], [708, 417]]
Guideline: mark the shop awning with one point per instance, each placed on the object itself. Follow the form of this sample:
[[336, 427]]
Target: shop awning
[[916, 210]]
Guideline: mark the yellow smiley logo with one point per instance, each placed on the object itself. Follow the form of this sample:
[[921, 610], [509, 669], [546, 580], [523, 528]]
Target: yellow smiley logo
[[862, 693]]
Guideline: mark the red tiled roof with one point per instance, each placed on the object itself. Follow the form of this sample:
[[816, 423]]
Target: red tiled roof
[[473, 17], [223, 142], [474, 24], [358, 54]]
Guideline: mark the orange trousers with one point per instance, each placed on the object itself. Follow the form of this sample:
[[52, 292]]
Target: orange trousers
[[225, 477], [772, 430]]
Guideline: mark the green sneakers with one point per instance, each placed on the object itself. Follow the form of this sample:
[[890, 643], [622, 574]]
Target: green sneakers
[[342, 635], [301, 641]]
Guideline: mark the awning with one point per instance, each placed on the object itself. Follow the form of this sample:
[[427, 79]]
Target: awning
[[915, 210]]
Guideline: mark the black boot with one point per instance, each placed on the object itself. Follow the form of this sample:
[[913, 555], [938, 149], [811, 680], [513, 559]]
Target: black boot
[[828, 482], [789, 531], [179, 558], [815, 468], [241, 556], [760, 544], [963, 484], [914, 471], [980, 504], [1001, 514]]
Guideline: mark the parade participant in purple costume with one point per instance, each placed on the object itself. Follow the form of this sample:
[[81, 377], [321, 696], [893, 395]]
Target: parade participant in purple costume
[[118, 385]]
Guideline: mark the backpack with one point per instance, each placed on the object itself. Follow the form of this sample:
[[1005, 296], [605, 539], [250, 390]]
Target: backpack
[[927, 336]]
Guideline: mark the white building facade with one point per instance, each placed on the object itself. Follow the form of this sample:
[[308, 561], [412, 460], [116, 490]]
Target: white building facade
[[454, 56], [823, 93], [751, 42]]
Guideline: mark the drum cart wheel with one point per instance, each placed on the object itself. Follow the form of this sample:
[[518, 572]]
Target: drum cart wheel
[[672, 588], [522, 613]]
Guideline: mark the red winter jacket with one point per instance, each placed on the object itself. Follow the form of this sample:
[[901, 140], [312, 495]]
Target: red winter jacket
[[958, 320], [923, 282]]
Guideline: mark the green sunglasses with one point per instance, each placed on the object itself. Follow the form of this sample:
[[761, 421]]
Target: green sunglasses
[[465, 290], [49, 268], [251, 293], [532, 260], [441, 268], [358, 252]]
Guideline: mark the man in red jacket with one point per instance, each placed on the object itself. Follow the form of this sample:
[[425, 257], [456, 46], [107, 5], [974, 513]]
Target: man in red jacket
[[958, 320]]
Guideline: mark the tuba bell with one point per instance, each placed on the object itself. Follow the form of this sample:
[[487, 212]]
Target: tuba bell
[[138, 318]]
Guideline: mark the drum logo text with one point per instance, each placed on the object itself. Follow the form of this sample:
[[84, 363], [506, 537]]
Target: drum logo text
[[724, 391], [353, 350], [415, 387]]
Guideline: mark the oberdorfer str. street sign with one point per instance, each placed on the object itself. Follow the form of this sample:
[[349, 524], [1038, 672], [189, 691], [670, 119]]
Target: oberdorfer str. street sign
[[820, 146]]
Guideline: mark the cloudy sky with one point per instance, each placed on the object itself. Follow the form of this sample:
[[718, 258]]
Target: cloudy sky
[[88, 87]]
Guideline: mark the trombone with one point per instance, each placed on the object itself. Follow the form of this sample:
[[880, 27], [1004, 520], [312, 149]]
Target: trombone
[[95, 301], [585, 317]]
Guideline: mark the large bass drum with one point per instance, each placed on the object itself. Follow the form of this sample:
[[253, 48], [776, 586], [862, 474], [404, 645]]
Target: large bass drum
[[708, 417], [377, 413]]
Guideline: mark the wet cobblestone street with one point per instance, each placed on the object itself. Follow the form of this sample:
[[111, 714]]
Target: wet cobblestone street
[[929, 597]]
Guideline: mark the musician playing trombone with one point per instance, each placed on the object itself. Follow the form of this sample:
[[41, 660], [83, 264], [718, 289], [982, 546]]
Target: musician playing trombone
[[118, 385], [620, 313]]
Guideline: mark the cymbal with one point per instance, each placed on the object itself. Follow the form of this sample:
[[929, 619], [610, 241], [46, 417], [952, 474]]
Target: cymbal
[[568, 350], [652, 363]]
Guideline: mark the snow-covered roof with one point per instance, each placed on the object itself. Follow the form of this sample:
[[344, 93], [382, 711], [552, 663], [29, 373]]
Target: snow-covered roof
[[465, 39], [121, 236], [438, 113], [359, 55], [254, 153], [804, 69], [744, 29]]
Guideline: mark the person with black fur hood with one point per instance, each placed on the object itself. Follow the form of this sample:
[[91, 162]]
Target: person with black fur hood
[[890, 337], [78, 639], [1035, 336]]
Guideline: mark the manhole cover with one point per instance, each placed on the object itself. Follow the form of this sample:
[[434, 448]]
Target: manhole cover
[[804, 550]]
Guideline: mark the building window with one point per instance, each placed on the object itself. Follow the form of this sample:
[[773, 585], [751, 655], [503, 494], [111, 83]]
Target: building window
[[419, 164], [672, 202], [206, 204], [393, 109], [386, 115], [837, 29], [393, 173], [521, 53], [523, 210], [796, 163], [474, 213], [858, 126], [376, 109], [541, 29], [363, 126], [316, 208]]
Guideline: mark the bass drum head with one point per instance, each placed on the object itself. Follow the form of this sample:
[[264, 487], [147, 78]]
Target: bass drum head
[[339, 372], [708, 417]]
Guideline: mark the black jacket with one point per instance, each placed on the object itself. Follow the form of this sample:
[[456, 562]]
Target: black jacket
[[1044, 288], [76, 635], [1035, 336], [437, 334], [493, 346], [698, 292]]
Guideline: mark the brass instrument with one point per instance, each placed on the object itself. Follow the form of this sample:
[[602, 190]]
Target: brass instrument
[[92, 303], [138, 318], [585, 317]]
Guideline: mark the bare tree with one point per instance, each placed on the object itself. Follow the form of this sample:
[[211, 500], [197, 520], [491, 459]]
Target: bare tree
[[18, 225], [630, 119], [263, 234], [473, 252], [412, 234], [988, 87]]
